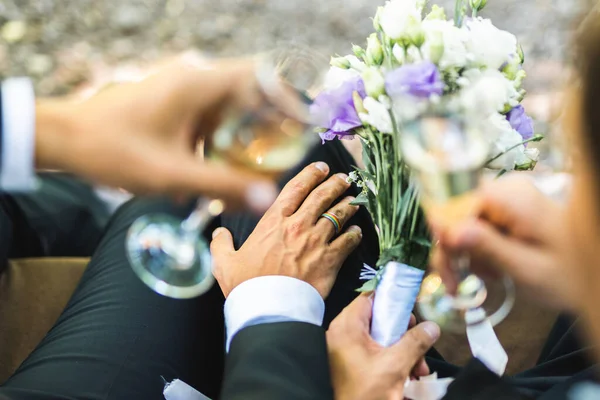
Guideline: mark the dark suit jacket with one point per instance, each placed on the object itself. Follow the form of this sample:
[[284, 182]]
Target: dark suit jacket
[[288, 361], [281, 361]]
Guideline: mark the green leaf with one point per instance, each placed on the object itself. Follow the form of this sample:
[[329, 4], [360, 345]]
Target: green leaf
[[368, 286], [361, 200], [395, 253], [422, 241]]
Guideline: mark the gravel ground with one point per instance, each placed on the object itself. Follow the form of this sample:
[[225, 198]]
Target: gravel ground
[[64, 43]]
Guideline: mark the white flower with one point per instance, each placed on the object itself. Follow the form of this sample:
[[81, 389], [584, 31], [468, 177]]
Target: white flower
[[356, 64], [337, 76], [504, 137], [489, 46], [528, 159], [453, 39], [378, 116], [407, 108], [352, 177], [396, 15], [485, 92], [374, 82]]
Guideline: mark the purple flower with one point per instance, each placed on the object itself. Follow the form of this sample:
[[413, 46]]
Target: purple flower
[[420, 80], [521, 122], [334, 109]]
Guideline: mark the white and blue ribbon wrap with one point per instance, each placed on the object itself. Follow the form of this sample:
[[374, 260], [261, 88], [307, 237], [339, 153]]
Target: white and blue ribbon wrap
[[395, 299]]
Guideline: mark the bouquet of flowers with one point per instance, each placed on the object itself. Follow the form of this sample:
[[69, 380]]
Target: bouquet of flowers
[[417, 58]]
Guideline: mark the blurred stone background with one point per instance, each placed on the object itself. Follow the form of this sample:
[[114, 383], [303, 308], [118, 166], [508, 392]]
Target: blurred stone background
[[68, 44]]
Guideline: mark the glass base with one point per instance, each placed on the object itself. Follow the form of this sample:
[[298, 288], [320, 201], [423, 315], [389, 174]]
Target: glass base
[[166, 261], [476, 300]]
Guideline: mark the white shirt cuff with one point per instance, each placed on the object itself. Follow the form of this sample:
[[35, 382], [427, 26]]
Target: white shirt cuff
[[270, 299], [17, 172]]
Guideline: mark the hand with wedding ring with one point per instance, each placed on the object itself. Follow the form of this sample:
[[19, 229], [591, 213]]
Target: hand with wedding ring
[[299, 236]]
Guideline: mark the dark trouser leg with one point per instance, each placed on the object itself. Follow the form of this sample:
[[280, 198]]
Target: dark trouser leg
[[344, 291], [62, 218], [116, 337]]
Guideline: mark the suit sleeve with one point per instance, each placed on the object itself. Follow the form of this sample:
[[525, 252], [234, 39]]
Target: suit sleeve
[[278, 361], [17, 135]]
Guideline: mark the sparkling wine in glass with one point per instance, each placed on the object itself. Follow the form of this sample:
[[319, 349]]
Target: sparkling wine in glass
[[447, 156], [266, 131]]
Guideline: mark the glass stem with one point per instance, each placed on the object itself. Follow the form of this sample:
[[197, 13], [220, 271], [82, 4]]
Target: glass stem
[[461, 264], [194, 224]]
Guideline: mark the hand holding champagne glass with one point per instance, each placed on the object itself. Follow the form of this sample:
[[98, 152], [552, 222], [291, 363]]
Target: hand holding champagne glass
[[266, 131], [447, 156]]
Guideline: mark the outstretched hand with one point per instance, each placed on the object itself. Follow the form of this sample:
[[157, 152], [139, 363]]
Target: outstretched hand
[[143, 136], [292, 239]]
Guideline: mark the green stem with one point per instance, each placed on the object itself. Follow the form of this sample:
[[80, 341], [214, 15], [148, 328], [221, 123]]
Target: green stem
[[536, 138], [378, 176], [395, 171]]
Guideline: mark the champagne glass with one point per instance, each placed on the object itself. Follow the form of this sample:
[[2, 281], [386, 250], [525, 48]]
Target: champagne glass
[[266, 131], [447, 156]]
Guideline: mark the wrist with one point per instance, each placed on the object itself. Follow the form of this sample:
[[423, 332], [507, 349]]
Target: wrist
[[54, 134]]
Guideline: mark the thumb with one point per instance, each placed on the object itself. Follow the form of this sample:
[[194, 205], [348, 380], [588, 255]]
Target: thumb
[[221, 246], [360, 310], [413, 346]]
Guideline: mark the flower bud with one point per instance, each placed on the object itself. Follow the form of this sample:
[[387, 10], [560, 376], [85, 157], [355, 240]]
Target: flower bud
[[358, 52], [477, 5], [374, 50], [377, 19], [399, 53], [511, 69], [420, 4], [358, 103], [519, 77], [340, 62], [437, 12], [415, 32], [521, 53], [436, 46], [355, 63], [374, 82]]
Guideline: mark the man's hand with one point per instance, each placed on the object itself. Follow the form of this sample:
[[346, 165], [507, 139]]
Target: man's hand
[[291, 239], [519, 232], [143, 136], [363, 370]]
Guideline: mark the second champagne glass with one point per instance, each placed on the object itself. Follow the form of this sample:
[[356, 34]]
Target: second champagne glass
[[266, 131], [447, 155]]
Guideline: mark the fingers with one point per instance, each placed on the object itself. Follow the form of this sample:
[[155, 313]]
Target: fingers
[[346, 243], [421, 369], [413, 346], [221, 247], [189, 176], [491, 250], [343, 212], [321, 198], [297, 189], [499, 206]]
